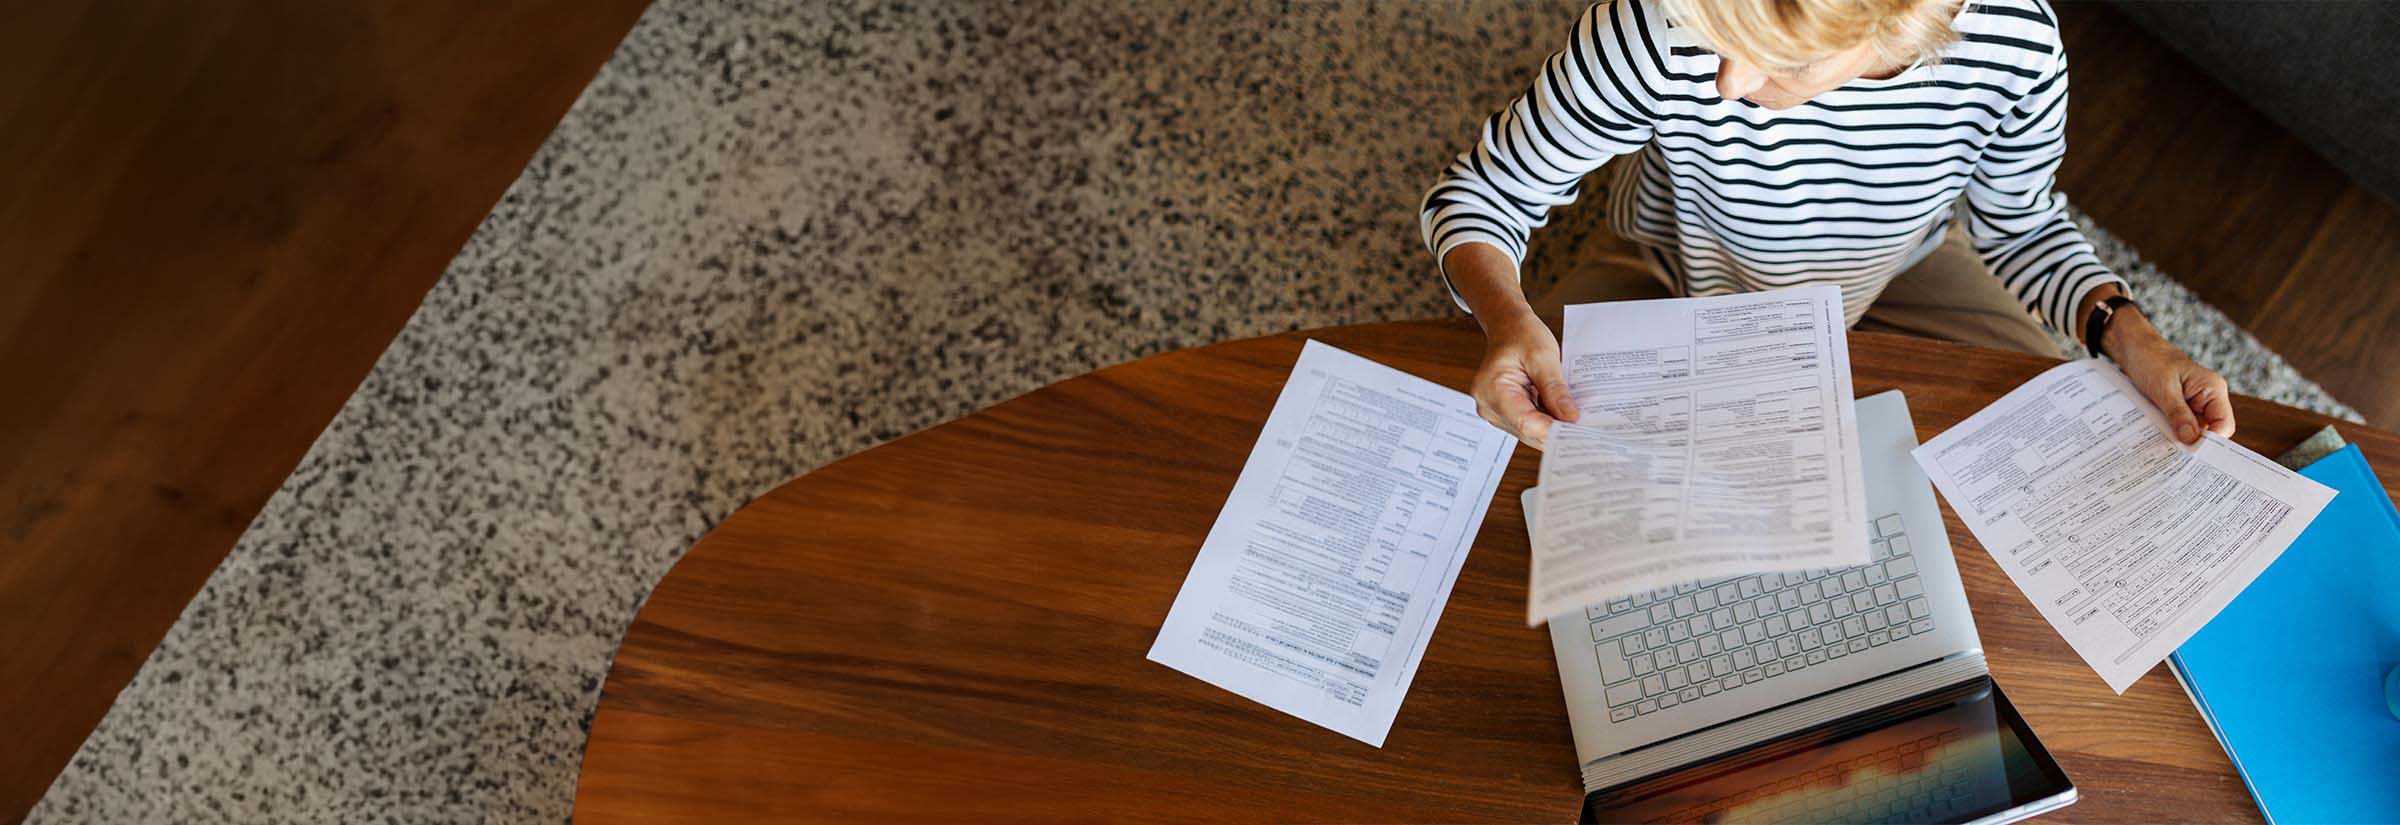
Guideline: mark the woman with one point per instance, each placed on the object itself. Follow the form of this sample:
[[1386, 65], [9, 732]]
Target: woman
[[1755, 144]]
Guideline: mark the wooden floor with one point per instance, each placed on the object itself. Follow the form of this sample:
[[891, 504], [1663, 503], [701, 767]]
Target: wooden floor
[[2224, 201], [216, 215], [213, 218]]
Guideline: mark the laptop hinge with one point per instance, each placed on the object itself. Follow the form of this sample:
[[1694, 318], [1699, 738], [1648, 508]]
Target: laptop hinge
[[1712, 742]]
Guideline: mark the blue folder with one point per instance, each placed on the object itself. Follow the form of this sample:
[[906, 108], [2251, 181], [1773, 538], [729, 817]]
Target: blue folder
[[2290, 675]]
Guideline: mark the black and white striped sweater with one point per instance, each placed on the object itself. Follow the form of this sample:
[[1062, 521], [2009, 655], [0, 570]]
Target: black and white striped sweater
[[1850, 188]]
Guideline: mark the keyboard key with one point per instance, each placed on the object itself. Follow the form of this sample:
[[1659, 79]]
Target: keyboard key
[[1874, 575], [1752, 676], [1677, 632], [1654, 638], [1619, 714], [1879, 638], [1730, 682], [1787, 646], [1647, 706], [1808, 593], [1698, 673], [1727, 594], [1685, 589], [1879, 550], [1730, 639], [1900, 568], [1705, 601], [1684, 607], [1809, 639], [1854, 626], [1698, 625], [1595, 612], [1688, 694], [1816, 657], [1786, 600], [1661, 614], [1830, 587], [1641, 600], [1614, 668], [1613, 626], [1763, 605], [1754, 632], [1721, 666], [1917, 608], [1687, 651], [1624, 694], [1642, 666], [1794, 663], [1710, 647], [1722, 619], [1665, 657], [1749, 588], [1620, 606], [1899, 631], [1875, 620], [1900, 546], [1886, 594], [1776, 626], [1709, 689], [1854, 580], [1841, 607], [1632, 644], [1774, 669], [1858, 644], [1895, 614], [1837, 651], [1888, 525], [1921, 626], [1676, 680], [1666, 701], [1909, 587], [1654, 685], [1831, 632], [1819, 614], [1743, 613], [1796, 619], [1742, 660]]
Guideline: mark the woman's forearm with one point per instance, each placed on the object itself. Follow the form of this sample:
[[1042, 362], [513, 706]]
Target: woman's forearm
[[1487, 280]]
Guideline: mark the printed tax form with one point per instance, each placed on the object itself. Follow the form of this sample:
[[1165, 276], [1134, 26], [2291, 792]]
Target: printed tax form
[[2124, 539], [1318, 587], [1718, 437]]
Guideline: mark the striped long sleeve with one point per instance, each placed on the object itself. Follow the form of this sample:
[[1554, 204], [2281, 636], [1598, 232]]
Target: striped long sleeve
[[1850, 188], [1586, 106], [2018, 223]]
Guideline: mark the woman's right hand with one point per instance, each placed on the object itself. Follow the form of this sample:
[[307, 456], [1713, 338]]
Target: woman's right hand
[[1520, 387]]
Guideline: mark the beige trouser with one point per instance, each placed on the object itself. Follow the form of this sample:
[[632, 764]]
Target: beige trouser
[[1949, 296]]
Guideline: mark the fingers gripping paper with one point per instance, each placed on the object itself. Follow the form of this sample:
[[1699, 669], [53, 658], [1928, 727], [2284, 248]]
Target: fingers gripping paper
[[1718, 437], [2125, 540]]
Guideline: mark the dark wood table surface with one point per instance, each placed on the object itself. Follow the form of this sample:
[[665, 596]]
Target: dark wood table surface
[[953, 626]]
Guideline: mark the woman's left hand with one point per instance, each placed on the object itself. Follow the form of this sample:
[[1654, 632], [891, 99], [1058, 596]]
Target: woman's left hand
[[2193, 397]]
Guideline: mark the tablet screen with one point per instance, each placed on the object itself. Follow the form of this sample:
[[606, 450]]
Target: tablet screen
[[1957, 756]]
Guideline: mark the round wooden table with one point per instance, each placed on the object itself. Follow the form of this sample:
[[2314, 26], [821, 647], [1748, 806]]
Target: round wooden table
[[953, 626]]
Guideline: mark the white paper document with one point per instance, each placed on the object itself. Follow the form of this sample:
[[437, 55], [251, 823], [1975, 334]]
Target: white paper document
[[1718, 437], [2124, 539], [1318, 587]]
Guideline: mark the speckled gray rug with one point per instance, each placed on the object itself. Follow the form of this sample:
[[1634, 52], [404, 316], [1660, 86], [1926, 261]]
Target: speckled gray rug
[[767, 237]]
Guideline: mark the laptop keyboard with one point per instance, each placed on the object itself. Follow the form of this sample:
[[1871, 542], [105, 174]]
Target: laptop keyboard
[[1692, 641]]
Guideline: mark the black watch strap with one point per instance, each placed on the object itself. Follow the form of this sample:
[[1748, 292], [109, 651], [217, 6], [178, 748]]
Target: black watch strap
[[2097, 324]]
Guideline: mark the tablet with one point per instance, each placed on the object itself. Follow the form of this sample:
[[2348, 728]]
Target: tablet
[[1957, 755]]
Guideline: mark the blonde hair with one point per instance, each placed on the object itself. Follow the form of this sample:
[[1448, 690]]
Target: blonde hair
[[1785, 36]]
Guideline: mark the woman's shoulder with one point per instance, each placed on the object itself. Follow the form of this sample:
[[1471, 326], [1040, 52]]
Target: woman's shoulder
[[2019, 37], [1638, 34]]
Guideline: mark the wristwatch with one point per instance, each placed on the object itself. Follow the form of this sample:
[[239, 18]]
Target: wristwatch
[[2097, 324]]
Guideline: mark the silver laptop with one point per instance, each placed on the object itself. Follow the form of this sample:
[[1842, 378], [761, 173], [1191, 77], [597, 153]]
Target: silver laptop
[[1731, 699]]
